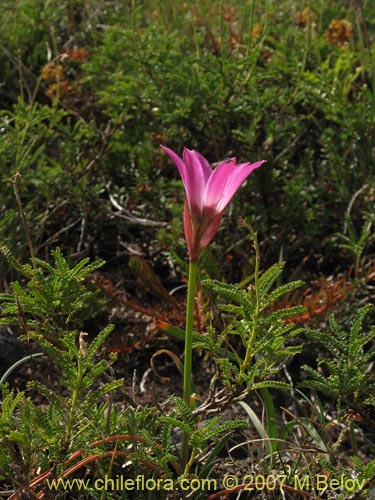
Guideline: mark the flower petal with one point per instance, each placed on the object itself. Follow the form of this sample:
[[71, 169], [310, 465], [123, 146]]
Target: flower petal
[[198, 172], [208, 193], [211, 229], [179, 163], [193, 174], [234, 181], [188, 231], [206, 167], [216, 184]]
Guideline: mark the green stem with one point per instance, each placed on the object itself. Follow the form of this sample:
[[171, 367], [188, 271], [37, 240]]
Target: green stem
[[74, 401], [193, 266], [249, 347], [195, 31], [353, 438], [17, 364], [23, 215]]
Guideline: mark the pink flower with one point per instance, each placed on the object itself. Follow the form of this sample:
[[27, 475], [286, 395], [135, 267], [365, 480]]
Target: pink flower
[[208, 193]]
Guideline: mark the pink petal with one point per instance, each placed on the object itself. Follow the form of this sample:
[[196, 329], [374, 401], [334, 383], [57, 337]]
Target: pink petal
[[188, 231], [193, 173], [208, 193], [206, 167], [211, 230], [234, 181], [197, 171], [217, 182], [179, 163]]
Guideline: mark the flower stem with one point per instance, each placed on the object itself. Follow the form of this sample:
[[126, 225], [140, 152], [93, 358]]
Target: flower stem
[[193, 266]]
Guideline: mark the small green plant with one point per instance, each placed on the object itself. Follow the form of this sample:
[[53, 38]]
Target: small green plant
[[208, 192], [263, 332], [89, 91], [345, 374], [356, 242], [55, 298], [250, 350], [49, 308]]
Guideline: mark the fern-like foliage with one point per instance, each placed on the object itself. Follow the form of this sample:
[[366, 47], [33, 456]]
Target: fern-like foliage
[[47, 307], [25, 269], [263, 333], [209, 430], [355, 242], [29, 436], [55, 294], [346, 373]]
